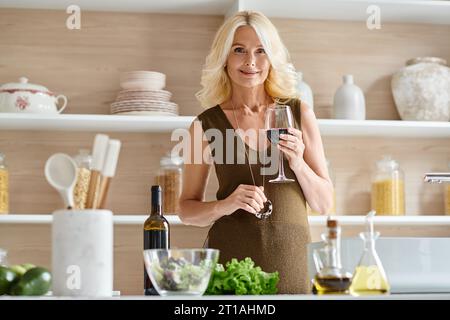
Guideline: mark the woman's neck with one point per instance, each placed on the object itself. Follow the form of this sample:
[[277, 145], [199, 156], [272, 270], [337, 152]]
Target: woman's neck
[[250, 99]]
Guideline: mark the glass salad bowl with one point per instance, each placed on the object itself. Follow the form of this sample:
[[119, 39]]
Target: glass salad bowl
[[180, 271]]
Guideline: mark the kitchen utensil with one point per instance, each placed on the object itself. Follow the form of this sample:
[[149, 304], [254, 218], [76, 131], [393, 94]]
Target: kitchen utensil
[[82, 253], [24, 97], [98, 159], [180, 271], [61, 174], [108, 171]]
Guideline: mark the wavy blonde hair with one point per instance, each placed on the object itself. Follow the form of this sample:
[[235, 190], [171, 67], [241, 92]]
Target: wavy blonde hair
[[216, 84]]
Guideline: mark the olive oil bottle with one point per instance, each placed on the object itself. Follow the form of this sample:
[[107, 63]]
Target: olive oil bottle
[[156, 233]]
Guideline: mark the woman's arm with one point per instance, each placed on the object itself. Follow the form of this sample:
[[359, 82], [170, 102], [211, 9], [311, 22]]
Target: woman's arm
[[194, 210], [304, 151]]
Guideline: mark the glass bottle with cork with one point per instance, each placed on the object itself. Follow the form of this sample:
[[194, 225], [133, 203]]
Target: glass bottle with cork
[[156, 233], [330, 278], [388, 188], [4, 186]]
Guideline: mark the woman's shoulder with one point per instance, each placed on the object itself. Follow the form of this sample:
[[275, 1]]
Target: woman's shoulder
[[209, 113]]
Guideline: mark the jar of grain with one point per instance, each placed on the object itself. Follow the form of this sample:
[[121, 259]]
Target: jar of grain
[[4, 186], [388, 188], [83, 160], [170, 179]]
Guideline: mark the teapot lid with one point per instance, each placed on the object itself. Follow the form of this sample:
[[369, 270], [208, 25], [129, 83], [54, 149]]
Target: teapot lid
[[23, 85]]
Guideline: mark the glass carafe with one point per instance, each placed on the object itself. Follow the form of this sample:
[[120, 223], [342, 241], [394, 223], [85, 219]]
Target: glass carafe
[[388, 188], [369, 276], [330, 277]]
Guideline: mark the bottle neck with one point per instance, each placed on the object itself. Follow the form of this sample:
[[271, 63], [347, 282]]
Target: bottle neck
[[156, 208]]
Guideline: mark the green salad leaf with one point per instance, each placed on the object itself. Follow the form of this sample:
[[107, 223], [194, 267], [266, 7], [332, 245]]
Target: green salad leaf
[[241, 278]]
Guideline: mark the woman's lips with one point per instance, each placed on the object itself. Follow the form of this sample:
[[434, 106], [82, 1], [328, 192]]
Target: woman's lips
[[249, 73]]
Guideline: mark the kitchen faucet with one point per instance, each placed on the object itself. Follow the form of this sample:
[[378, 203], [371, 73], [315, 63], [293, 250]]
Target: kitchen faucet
[[437, 177]]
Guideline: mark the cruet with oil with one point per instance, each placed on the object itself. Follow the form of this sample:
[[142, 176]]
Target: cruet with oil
[[369, 277], [330, 277]]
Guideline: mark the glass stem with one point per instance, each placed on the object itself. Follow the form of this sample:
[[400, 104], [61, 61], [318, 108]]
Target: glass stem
[[281, 166]]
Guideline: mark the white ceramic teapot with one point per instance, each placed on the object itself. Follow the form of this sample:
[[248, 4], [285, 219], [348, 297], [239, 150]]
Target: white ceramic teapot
[[24, 97]]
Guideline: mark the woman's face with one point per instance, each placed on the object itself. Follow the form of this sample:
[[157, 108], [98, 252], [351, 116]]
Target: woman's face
[[247, 63]]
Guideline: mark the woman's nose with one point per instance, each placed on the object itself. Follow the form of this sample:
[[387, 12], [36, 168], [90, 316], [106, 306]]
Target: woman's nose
[[250, 60]]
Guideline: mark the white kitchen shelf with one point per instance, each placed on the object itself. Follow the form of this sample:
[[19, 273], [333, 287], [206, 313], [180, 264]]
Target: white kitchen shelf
[[117, 123], [92, 122], [402, 221], [404, 11]]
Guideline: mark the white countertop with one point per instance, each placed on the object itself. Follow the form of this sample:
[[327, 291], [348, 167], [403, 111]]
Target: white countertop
[[408, 296]]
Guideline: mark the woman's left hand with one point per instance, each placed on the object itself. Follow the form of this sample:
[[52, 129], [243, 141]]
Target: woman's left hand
[[293, 147]]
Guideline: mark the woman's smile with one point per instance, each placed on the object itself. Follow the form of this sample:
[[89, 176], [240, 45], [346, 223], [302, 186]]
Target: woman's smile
[[249, 73]]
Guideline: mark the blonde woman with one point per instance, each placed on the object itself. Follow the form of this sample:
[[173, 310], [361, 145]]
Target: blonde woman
[[247, 71]]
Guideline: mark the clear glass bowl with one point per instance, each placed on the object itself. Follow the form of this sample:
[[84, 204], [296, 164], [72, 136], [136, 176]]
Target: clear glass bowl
[[180, 271]]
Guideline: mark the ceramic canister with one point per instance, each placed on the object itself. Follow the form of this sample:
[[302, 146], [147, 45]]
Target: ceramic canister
[[82, 253]]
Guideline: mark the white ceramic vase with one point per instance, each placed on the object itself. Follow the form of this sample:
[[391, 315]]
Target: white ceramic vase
[[305, 91], [421, 90], [349, 102], [82, 253]]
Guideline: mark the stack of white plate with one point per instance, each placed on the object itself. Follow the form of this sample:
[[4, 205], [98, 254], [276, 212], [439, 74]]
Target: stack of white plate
[[143, 94]]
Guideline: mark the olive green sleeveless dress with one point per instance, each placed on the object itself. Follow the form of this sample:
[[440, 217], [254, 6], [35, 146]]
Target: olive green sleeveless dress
[[278, 243]]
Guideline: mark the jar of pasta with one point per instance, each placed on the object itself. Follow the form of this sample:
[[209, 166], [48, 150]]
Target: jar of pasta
[[388, 188], [83, 160], [170, 179], [4, 186], [333, 180]]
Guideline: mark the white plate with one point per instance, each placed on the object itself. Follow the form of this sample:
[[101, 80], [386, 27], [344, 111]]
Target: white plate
[[147, 113]]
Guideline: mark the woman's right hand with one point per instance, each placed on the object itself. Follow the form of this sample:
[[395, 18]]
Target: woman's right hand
[[247, 197]]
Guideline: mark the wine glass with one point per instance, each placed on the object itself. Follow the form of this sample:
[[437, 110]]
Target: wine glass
[[278, 119]]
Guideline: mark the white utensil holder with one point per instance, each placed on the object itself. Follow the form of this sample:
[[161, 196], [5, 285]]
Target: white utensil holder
[[82, 255]]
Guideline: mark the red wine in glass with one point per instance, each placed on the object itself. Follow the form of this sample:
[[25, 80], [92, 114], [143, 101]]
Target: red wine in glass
[[274, 134]]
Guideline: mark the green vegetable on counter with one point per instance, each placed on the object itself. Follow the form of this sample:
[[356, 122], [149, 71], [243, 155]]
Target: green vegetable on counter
[[242, 278], [35, 282], [7, 278]]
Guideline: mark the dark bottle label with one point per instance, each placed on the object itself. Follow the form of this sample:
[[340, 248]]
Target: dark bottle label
[[154, 239]]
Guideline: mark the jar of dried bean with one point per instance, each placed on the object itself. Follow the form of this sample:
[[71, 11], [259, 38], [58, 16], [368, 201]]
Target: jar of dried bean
[[388, 188]]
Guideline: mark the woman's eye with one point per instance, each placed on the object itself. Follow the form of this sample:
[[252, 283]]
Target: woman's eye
[[239, 50], [261, 50]]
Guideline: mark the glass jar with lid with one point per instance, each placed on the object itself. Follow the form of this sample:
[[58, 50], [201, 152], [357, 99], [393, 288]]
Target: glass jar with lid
[[83, 160], [4, 186], [170, 179], [333, 180], [388, 188]]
